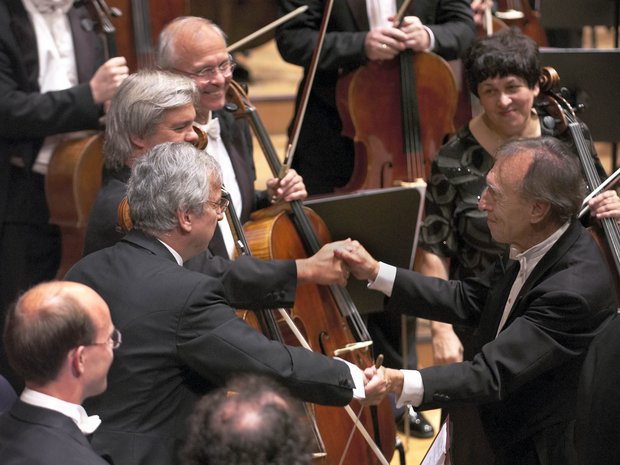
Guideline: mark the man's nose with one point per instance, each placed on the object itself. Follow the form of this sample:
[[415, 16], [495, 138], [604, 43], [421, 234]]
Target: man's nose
[[482, 200]]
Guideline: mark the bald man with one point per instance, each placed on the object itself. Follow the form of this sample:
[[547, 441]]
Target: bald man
[[60, 338]]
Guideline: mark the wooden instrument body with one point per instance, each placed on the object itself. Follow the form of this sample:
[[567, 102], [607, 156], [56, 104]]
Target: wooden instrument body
[[71, 185], [271, 234], [371, 106]]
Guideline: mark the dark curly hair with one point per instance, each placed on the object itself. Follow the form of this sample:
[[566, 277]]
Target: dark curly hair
[[505, 52], [251, 421]]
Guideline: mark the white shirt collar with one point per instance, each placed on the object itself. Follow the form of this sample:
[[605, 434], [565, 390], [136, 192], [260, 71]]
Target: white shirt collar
[[174, 253], [86, 424], [537, 251]]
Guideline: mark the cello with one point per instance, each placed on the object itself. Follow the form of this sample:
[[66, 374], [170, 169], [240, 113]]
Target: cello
[[607, 234], [330, 319], [401, 145], [74, 172], [267, 323]]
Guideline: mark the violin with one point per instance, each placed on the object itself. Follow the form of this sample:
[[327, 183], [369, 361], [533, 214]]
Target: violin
[[330, 319], [398, 145], [607, 236]]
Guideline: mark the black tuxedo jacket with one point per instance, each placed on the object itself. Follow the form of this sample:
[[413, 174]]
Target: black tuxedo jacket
[[525, 379], [26, 115], [180, 339], [39, 436]]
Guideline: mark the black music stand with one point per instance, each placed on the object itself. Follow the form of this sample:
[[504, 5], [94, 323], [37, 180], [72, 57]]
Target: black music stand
[[385, 221], [578, 13], [591, 77]]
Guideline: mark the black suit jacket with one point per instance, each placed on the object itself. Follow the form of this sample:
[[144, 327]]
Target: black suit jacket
[[323, 157], [180, 339], [39, 436], [525, 379], [235, 276], [598, 408]]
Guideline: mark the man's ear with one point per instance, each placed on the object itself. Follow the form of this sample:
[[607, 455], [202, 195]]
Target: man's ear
[[185, 220], [77, 360], [138, 142], [539, 211]]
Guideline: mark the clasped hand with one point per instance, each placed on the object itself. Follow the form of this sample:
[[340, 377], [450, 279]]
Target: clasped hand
[[385, 43]]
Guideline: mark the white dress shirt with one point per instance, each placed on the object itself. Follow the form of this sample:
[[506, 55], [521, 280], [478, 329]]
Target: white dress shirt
[[87, 424]]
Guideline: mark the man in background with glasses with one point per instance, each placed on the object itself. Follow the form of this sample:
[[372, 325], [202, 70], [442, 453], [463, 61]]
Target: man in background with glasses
[[60, 338], [195, 47]]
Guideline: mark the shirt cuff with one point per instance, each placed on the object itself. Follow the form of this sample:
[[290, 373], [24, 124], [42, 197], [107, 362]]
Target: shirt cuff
[[431, 44], [358, 379], [413, 389], [385, 279]]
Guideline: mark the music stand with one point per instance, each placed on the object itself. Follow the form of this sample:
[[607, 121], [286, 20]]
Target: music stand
[[385, 221], [591, 76]]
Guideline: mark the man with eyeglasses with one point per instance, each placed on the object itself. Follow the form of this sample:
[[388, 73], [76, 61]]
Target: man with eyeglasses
[[60, 338], [154, 106], [195, 47], [182, 337]]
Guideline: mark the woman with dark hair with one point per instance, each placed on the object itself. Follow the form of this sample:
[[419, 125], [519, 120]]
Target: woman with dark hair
[[455, 242]]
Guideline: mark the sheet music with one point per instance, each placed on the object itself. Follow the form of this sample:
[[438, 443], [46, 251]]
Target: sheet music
[[439, 452]]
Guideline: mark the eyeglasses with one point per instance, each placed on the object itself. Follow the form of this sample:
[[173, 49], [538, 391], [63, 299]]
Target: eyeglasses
[[114, 340], [226, 67], [219, 206]]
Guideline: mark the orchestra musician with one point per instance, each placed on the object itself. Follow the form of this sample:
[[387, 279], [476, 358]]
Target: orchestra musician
[[536, 309], [195, 47], [60, 339], [53, 81], [355, 36], [182, 337]]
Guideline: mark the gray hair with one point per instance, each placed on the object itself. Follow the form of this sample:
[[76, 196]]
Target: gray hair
[[139, 105], [166, 47], [171, 177], [554, 176]]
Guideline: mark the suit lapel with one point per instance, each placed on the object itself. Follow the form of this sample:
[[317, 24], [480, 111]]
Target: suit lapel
[[239, 163], [84, 42], [507, 271], [559, 249], [359, 13], [26, 42], [48, 418]]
